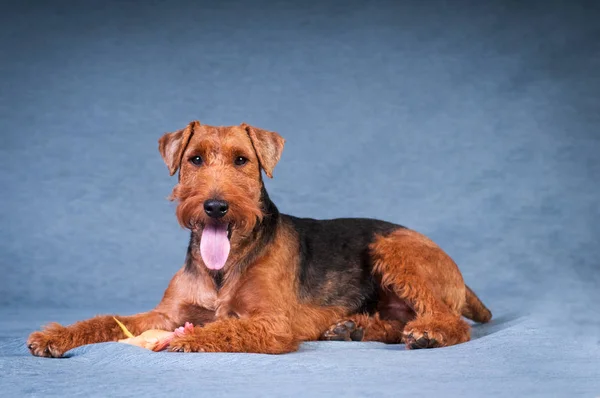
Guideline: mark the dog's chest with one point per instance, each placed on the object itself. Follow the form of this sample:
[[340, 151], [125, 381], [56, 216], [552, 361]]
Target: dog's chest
[[226, 307], [227, 302], [239, 299]]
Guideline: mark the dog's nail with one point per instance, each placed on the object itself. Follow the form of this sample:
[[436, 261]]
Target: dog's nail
[[357, 335], [30, 346], [340, 329], [333, 337], [349, 325]]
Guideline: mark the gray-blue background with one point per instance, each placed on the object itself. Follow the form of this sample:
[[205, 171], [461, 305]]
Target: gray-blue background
[[473, 122]]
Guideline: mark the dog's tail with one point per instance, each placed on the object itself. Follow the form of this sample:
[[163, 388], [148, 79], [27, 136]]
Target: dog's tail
[[474, 309]]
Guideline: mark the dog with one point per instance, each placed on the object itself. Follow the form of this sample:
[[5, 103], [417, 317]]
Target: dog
[[258, 281]]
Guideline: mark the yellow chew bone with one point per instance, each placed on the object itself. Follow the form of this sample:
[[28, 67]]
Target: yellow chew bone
[[153, 339], [123, 328]]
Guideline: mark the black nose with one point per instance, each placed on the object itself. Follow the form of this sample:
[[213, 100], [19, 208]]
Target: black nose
[[216, 208]]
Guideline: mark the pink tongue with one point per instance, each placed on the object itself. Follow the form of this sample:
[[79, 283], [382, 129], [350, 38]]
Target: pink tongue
[[214, 245]]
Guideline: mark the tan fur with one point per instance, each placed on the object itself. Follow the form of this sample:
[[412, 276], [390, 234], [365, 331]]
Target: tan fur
[[422, 274], [257, 306]]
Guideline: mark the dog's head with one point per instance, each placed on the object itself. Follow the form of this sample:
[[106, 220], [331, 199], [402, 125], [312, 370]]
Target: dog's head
[[220, 185]]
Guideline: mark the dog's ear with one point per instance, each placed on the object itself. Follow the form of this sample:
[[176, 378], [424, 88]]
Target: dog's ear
[[172, 146], [268, 146]]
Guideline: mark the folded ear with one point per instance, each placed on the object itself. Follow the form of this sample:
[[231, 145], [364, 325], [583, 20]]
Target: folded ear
[[172, 145], [268, 146]]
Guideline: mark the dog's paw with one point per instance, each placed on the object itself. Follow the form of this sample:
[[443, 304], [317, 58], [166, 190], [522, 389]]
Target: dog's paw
[[415, 339], [52, 342], [433, 332], [186, 341], [344, 331]]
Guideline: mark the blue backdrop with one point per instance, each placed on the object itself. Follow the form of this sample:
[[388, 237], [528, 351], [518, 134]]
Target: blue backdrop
[[476, 123]]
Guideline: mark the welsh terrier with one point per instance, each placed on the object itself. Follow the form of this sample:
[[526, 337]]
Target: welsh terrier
[[255, 280]]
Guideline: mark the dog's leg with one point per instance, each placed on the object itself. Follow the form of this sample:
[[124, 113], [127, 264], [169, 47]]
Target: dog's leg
[[56, 339], [419, 272], [270, 335], [179, 305], [278, 326], [364, 327]]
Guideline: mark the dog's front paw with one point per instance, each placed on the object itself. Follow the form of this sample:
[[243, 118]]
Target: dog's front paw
[[185, 344], [186, 340], [52, 342]]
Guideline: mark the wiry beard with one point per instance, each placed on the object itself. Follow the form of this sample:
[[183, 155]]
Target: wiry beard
[[242, 217]]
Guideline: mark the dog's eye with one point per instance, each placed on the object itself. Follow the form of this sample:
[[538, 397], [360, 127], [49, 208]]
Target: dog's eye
[[197, 160], [240, 161]]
